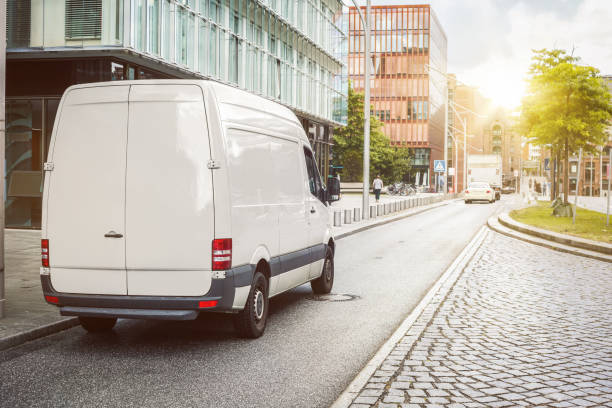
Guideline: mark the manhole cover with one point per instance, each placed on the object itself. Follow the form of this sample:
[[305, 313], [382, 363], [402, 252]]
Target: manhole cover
[[333, 297]]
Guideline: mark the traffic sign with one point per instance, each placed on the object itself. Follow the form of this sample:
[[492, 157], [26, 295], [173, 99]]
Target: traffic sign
[[439, 166]]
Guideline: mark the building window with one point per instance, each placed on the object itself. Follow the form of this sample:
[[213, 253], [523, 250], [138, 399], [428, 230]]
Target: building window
[[18, 18], [153, 22], [233, 59], [83, 19], [212, 51], [117, 72]]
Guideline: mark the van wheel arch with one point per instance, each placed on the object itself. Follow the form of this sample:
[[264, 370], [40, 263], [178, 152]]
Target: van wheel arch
[[331, 244], [263, 267]]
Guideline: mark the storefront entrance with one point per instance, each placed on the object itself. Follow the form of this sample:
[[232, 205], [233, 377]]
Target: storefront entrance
[[29, 123]]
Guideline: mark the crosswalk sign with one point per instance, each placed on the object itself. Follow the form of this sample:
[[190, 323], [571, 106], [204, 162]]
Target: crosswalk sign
[[439, 166]]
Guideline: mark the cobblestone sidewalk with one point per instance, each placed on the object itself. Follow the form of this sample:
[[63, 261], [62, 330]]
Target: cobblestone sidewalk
[[521, 326]]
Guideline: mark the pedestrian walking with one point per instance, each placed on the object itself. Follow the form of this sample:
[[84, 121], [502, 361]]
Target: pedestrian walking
[[377, 185]]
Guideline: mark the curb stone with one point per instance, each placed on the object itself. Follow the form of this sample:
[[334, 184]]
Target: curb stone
[[582, 243], [496, 226], [38, 332]]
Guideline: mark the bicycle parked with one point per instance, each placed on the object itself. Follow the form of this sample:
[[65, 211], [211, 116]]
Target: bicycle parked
[[401, 189]]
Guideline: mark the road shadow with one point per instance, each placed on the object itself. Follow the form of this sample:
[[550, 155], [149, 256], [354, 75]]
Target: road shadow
[[158, 336]]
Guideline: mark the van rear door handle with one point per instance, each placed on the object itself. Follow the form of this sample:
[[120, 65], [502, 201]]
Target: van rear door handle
[[113, 234], [312, 210]]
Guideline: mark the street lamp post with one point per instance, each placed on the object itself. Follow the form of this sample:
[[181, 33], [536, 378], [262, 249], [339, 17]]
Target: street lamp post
[[2, 130], [464, 125], [366, 112]]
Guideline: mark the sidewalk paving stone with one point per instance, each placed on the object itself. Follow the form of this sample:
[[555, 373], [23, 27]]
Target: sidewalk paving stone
[[522, 325]]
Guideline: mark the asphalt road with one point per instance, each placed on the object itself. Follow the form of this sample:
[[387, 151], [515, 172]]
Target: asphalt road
[[310, 352]]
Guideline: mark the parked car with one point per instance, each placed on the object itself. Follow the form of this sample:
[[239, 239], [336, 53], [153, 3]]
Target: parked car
[[479, 191], [167, 198]]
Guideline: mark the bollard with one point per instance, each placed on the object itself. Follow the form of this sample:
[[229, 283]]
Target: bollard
[[387, 208], [348, 217], [357, 214], [337, 218], [372, 211], [379, 210]]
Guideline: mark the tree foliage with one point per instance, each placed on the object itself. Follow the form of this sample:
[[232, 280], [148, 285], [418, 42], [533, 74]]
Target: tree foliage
[[567, 106], [392, 163]]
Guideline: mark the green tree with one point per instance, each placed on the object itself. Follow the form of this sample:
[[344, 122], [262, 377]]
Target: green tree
[[567, 106], [391, 163]]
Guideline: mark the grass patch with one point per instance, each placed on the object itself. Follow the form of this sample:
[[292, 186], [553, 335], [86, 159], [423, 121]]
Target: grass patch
[[589, 224]]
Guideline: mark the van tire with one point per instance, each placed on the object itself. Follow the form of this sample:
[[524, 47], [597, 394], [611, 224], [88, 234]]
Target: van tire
[[251, 321], [324, 283], [97, 324]]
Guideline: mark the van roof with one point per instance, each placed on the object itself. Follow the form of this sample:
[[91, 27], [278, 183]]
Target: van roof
[[225, 94]]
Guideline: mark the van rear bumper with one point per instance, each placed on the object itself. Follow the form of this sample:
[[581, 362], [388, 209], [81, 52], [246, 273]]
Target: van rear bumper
[[143, 307], [129, 313]]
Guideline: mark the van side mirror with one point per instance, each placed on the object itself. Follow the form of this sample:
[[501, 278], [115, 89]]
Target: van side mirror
[[333, 189]]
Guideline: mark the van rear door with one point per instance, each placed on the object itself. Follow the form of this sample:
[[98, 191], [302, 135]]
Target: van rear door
[[85, 192], [169, 203]]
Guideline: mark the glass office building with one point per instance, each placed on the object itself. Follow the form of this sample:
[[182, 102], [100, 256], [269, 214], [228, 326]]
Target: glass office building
[[290, 51], [408, 82]]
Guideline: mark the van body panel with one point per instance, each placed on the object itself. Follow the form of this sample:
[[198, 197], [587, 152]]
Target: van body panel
[[169, 204], [254, 212], [86, 191], [89, 281], [220, 176], [168, 283]]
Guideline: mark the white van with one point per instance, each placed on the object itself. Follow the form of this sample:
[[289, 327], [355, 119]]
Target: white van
[[166, 198]]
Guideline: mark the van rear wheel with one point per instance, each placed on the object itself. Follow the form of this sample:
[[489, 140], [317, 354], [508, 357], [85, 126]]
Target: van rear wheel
[[251, 321], [97, 324], [325, 282]]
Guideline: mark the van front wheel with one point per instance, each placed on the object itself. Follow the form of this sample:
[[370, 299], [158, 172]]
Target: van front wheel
[[325, 282], [251, 321], [97, 324]]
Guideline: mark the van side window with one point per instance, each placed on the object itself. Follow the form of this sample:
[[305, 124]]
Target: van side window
[[314, 181]]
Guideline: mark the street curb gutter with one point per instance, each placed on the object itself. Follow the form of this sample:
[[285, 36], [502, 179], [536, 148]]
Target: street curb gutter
[[390, 220], [452, 272], [496, 226], [61, 325], [38, 332]]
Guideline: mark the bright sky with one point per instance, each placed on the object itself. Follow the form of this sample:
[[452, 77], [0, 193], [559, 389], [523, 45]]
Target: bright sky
[[490, 41]]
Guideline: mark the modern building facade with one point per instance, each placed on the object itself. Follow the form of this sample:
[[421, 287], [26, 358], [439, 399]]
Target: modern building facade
[[408, 84], [289, 51]]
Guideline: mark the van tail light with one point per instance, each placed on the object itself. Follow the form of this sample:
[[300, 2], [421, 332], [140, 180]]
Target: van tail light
[[488, 191], [204, 304], [44, 252], [52, 299], [221, 254], [467, 191]]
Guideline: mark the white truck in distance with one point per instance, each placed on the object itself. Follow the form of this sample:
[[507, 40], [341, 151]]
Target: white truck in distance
[[486, 168]]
